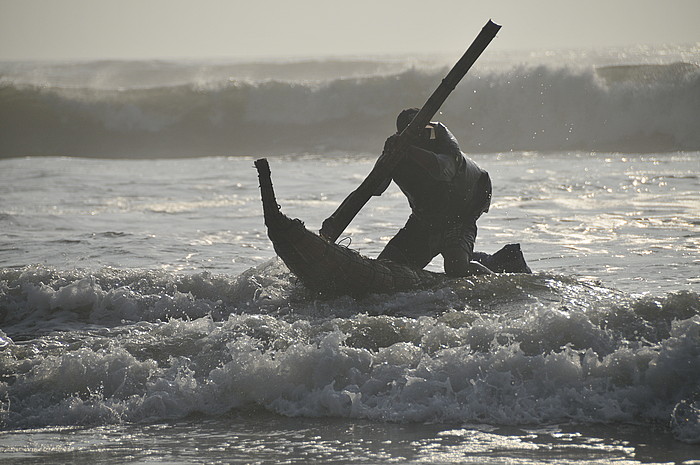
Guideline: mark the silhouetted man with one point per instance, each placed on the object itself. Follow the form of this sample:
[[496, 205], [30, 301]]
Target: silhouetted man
[[447, 193]]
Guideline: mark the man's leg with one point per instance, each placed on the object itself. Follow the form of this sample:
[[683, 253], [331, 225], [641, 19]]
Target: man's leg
[[458, 249], [410, 246], [507, 260], [457, 264]]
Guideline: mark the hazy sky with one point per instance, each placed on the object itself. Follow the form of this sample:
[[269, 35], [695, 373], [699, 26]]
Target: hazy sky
[[66, 29]]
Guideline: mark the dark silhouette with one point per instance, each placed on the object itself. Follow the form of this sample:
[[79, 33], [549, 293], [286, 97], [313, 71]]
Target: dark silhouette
[[447, 193]]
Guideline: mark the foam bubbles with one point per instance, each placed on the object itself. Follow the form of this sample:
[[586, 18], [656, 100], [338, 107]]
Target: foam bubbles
[[113, 346]]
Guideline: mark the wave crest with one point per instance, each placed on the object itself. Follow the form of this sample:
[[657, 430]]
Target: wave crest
[[632, 108]]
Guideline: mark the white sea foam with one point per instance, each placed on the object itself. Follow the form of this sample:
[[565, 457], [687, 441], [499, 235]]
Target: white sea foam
[[150, 346]]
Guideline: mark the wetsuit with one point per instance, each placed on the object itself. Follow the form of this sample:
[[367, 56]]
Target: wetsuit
[[447, 193]]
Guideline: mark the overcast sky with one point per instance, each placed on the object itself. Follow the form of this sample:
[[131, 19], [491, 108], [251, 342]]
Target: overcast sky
[[87, 29]]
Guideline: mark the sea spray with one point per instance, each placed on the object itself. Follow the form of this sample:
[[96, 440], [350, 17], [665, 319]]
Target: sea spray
[[517, 107], [550, 350]]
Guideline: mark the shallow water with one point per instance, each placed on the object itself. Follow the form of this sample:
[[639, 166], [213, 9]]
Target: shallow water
[[630, 221], [145, 319], [257, 437]]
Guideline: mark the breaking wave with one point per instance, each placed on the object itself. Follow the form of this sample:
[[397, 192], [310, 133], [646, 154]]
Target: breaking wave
[[542, 108], [130, 346]]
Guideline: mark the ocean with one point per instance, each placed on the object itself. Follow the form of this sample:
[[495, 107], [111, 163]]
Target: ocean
[[145, 318]]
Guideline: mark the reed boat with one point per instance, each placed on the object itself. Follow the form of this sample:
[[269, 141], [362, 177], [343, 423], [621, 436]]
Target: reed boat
[[333, 269]]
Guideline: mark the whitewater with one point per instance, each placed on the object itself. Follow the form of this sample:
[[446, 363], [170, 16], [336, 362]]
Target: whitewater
[[144, 316], [641, 100]]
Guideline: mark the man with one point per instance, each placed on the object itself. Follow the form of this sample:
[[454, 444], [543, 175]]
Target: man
[[447, 193]]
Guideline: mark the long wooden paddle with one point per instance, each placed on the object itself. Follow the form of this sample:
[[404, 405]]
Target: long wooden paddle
[[335, 224]]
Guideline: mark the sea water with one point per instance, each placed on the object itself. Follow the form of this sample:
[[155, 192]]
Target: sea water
[[144, 316]]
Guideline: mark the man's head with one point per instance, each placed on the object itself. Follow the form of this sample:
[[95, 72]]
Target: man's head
[[405, 118]]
